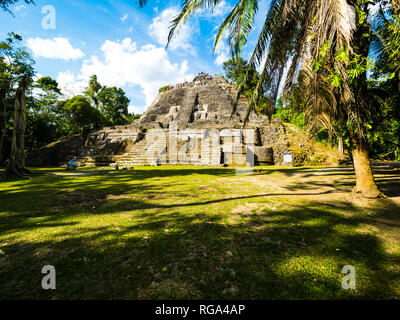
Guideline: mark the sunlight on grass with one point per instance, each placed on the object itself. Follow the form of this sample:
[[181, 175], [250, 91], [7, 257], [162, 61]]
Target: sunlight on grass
[[191, 233]]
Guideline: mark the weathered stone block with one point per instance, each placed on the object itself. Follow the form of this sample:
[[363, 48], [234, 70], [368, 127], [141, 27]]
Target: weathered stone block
[[264, 155]]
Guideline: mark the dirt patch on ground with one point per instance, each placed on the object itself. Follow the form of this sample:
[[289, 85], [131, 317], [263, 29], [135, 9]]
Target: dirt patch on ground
[[248, 210], [252, 208], [72, 199], [118, 197], [328, 183], [76, 173]]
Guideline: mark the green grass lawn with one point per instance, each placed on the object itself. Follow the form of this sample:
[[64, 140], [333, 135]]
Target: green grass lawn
[[196, 233]]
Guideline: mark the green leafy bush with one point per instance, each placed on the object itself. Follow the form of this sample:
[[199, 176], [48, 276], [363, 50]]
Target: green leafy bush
[[316, 160], [163, 89], [322, 136], [290, 116]]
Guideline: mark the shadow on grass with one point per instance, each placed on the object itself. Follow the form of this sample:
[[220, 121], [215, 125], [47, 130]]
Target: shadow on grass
[[294, 253], [157, 252]]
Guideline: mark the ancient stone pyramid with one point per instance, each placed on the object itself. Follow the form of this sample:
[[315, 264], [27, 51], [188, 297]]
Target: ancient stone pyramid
[[207, 102], [189, 123]]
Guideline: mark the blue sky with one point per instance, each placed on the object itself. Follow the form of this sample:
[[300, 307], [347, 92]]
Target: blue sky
[[121, 43]]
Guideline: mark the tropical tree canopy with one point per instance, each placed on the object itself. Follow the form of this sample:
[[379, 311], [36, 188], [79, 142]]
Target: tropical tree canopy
[[236, 70], [83, 115], [302, 35], [114, 105]]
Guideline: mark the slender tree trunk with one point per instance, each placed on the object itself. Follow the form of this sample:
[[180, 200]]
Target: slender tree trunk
[[365, 181], [5, 88], [2, 129], [16, 164], [340, 146]]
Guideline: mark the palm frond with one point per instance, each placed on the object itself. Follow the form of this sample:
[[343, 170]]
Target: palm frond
[[256, 94], [276, 35], [189, 8], [142, 3]]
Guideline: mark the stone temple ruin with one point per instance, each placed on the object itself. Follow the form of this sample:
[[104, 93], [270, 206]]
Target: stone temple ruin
[[189, 123]]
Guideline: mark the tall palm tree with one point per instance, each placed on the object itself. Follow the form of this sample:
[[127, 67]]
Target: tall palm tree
[[327, 41], [93, 90]]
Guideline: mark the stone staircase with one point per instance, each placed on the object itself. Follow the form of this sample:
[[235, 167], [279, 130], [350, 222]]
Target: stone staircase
[[107, 147], [149, 152], [134, 157]]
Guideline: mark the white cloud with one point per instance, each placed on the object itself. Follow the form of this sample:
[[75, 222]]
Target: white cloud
[[21, 10], [222, 57], [136, 110], [124, 18], [222, 9], [124, 64], [159, 30], [37, 76], [56, 48], [18, 8], [71, 85], [222, 52]]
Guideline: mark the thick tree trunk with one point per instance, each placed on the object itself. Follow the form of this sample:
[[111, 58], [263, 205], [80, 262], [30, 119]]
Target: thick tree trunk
[[365, 182], [361, 44], [16, 164]]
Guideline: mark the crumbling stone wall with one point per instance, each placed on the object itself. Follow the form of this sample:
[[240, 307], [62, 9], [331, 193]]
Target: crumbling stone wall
[[55, 153], [274, 136]]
